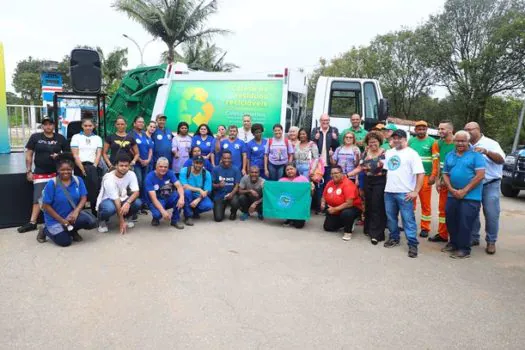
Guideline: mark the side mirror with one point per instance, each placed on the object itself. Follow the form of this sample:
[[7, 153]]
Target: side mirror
[[383, 109]]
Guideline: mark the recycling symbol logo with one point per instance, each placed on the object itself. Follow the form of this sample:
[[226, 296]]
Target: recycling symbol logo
[[194, 106]]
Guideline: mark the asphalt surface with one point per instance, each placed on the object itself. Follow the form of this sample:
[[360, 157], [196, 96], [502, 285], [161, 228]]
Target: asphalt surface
[[253, 285]]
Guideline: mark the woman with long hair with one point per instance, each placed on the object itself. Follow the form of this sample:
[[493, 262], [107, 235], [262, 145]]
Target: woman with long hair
[[62, 203], [306, 155], [120, 143], [180, 146], [145, 146], [255, 149], [203, 138], [347, 156], [278, 152]]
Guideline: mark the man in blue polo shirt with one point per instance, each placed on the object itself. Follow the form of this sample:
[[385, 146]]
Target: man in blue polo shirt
[[463, 173], [226, 178], [237, 149], [160, 184], [162, 140], [196, 182]]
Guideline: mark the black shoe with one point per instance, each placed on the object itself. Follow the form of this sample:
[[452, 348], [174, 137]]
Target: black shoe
[[401, 229], [391, 243], [423, 233], [374, 241], [144, 211], [196, 216], [412, 251], [188, 222], [41, 237], [448, 248], [177, 225], [233, 216], [155, 222], [437, 238], [134, 218], [27, 227], [474, 243], [460, 254], [76, 237]]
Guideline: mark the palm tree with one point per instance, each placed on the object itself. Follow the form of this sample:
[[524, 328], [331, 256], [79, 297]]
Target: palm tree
[[173, 21]]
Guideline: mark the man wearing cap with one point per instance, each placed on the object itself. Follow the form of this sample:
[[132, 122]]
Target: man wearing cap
[[422, 144], [387, 134], [196, 181], [494, 159], [357, 129], [440, 149], [162, 140], [404, 179], [43, 148]]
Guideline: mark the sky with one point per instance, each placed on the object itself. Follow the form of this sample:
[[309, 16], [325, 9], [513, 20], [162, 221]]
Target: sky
[[267, 36]]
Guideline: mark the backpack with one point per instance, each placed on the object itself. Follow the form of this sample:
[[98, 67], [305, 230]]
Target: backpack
[[203, 173], [270, 141], [41, 199]]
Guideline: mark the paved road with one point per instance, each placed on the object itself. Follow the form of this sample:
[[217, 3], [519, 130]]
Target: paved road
[[259, 286]]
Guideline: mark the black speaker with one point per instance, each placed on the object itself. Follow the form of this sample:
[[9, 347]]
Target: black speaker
[[85, 71]]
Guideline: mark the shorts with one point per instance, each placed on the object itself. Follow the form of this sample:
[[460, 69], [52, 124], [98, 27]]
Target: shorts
[[362, 177], [37, 191]]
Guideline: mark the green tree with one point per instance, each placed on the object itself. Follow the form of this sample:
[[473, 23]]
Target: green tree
[[202, 55], [13, 99], [173, 21], [477, 48], [26, 80]]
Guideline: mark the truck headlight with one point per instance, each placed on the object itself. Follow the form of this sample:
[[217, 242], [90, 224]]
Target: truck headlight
[[510, 160]]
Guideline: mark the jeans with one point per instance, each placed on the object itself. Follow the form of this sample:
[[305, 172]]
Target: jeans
[[63, 239], [461, 215], [491, 210], [220, 204], [375, 214], [395, 203], [246, 200], [345, 219], [303, 169], [92, 181], [275, 171], [319, 188], [205, 204], [107, 209], [170, 203], [141, 173]]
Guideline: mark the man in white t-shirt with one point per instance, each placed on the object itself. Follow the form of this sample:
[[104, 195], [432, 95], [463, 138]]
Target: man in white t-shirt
[[245, 133], [404, 180], [114, 197]]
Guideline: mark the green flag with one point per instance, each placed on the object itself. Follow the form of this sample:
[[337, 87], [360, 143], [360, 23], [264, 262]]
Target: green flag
[[287, 200]]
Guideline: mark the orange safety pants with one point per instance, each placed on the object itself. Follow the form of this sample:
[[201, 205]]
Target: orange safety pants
[[443, 195], [425, 197]]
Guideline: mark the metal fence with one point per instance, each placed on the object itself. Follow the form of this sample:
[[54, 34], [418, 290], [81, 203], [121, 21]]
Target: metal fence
[[23, 121]]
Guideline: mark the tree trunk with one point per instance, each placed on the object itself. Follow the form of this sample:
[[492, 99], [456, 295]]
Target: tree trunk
[[171, 54]]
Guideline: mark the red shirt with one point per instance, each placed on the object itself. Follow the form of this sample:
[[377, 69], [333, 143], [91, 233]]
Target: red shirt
[[335, 195]]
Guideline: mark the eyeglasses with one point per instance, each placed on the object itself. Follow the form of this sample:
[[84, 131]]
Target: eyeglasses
[[349, 137], [335, 173]]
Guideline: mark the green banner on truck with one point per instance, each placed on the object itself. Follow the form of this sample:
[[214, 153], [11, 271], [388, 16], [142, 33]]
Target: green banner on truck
[[224, 103]]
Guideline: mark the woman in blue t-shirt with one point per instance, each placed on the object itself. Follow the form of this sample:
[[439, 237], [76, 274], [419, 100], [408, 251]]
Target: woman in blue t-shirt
[[255, 149], [145, 146], [195, 152], [62, 202], [204, 139]]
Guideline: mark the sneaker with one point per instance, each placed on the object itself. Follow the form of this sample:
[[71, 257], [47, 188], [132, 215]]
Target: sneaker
[[76, 237], [155, 222], [188, 221], [347, 236], [134, 218], [196, 216], [102, 227], [244, 216], [423, 233], [41, 236], [177, 225], [412, 251], [460, 254], [374, 241], [437, 238], [233, 216], [27, 227], [260, 217], [391, 243], [491, 248], [474, 243], [130, 223], [448, 248]]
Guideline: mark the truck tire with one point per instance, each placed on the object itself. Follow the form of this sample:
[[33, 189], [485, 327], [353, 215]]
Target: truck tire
[[508, 191]]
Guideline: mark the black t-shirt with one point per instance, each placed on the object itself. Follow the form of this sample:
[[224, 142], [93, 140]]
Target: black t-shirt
[[43, 147], [120, 144]]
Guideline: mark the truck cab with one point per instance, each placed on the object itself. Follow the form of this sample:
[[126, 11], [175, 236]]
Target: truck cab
[[342, 97], [513, 180]]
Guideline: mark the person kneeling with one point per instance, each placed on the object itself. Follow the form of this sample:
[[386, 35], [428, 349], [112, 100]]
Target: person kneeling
[[250, 198], [161, 197], [341, 197], [63, 201], [292, 175], [196, 181], [226, 179], [114, 199]]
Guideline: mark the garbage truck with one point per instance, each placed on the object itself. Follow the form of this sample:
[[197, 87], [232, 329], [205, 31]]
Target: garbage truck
[[220, 98]]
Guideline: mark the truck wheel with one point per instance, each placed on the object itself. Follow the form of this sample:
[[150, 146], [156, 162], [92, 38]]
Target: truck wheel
[[508, 191]]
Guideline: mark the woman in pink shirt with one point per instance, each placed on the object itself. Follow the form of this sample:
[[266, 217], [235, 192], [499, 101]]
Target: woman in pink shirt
[[291, 175]]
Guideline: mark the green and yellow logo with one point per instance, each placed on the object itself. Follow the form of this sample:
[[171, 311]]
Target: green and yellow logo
[[194, 106]]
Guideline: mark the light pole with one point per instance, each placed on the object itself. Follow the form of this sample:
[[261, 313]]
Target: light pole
[[141, 50]]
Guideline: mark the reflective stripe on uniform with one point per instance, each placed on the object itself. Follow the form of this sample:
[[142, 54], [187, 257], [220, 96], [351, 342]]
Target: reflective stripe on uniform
[[442, 220], [426, 218]]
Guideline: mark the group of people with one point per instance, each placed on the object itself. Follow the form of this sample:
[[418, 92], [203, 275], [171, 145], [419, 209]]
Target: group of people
[[370, 178]]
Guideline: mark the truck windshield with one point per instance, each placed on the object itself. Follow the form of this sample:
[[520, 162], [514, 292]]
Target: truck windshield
[[344, 99]]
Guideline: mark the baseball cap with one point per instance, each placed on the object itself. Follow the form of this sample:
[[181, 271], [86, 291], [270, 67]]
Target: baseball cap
[[392, 127], [379, 126], [400, 133], [161, 116], [422, 123], [47, 119], [198, 159]]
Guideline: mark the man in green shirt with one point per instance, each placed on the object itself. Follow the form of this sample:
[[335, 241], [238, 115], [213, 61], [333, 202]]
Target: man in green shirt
[[357, 129], [422, 144]]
